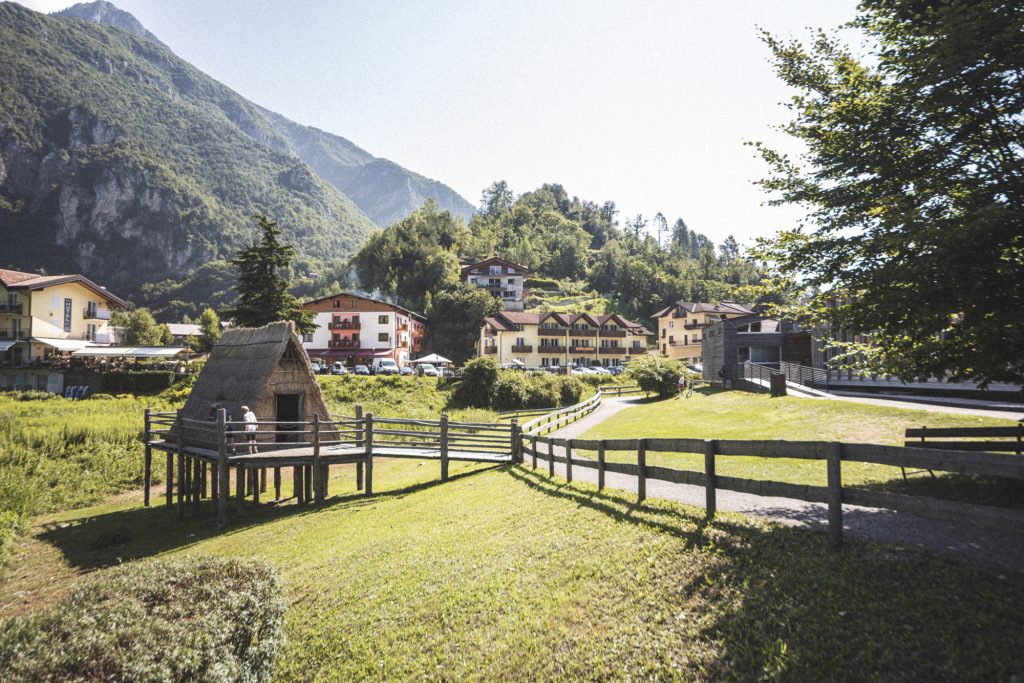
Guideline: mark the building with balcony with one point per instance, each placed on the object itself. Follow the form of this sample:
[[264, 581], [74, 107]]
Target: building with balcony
[[755, 339], [681, 327], [356, 329], [561, 339], [503, 279], [45, 317]]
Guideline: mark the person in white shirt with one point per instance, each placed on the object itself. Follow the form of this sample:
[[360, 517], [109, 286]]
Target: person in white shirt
[[249, 418]]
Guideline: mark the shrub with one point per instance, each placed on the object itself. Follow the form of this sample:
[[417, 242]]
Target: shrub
[[656, 375], [510, 391], [477, 385], [542, 283], [571, 390], [197, 618], [543, 391], [138, 382], [33, 395], [102, 396]]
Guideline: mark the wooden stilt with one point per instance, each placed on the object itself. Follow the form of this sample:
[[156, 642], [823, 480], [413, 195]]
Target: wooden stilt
[[239, 487], [147, 474], [197, 483], [307, 483], [169, 483], [181, 483], [277, 483], [263, 480], [297, 483], [221, 480]]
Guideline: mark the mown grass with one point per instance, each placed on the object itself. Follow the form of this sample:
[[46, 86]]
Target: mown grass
[[715, 414], [503, 575], [395, 396]]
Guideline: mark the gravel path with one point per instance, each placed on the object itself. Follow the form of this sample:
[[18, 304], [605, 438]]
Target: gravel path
[[990, 548]]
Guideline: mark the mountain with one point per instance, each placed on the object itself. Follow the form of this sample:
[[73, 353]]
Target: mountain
[[102, 12], [121, 160], [385, 191]]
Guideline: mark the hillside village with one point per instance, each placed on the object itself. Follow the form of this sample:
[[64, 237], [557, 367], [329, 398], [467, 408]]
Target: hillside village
[[274, 407]]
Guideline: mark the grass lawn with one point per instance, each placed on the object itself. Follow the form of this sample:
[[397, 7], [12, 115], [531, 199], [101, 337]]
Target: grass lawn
[[712, 413], [502, 575]]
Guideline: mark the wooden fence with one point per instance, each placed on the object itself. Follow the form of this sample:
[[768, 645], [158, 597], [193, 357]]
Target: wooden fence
[[834, 494]]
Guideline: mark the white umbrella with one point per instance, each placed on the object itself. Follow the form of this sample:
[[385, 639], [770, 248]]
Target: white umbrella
[[433, 359]]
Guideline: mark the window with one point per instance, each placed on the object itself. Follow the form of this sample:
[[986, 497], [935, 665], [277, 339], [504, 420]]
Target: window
[[511, 281], [495, 270], [90, 332], [520, 341], [383, 337], [337, 303], [671, 323], [307, 338], [671, 340], [382, 319]]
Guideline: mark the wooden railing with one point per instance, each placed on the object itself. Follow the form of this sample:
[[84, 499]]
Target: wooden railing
[[834, 494]]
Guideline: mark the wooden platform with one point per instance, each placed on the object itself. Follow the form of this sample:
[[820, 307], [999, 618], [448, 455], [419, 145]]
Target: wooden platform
[[330, 455]]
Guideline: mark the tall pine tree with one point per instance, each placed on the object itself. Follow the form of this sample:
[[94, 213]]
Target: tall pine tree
[[262, 291]]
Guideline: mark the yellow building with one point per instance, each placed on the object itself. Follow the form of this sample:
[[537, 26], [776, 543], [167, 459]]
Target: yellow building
[[681, 327], [46, 315], [561, 339]]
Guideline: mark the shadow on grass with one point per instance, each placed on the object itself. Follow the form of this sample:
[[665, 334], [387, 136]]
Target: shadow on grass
[[965, 488], [779, 603], [97, 541]]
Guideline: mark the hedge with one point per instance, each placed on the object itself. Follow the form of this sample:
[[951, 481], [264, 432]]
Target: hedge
[[199, 618], [137, 382]]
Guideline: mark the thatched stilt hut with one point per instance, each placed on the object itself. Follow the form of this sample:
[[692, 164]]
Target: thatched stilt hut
[[264, 368]]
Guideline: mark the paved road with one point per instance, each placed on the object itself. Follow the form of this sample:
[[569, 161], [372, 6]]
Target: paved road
[[994, 549]]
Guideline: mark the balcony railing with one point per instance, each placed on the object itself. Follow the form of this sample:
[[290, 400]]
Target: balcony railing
[[522, 348], [694, 326], [612, 333], [343, 344], [552, 331], [582, 333], [343, 325], [95, 313], [6, 307], [97, 338], [612, 349], [692, 342], [490, 349], [20, 335], [551, 349]]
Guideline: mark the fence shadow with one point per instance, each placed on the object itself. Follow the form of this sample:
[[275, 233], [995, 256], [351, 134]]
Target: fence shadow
[[96, 541]]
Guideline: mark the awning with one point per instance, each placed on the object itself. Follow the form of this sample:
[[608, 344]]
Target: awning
[[4, 345], [63, 344], [433, 359], [131, 351]]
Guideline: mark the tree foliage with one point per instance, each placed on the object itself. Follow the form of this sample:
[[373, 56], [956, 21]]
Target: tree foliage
[[455, 313], [263, 295], [139, 327], [914, 181], [209, 325]]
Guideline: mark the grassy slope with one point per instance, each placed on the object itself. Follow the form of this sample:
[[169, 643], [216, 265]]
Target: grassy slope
[[501, 575], [740, 415]]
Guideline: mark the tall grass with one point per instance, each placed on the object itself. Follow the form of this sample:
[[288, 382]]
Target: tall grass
[[57, 454]]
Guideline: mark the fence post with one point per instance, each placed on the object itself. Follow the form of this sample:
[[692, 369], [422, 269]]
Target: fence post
[[147, 474], [600, 465], [515, 444], [568, 461], [444, 446], [181, 468], [169, 475], [318, 483], [533, 440], [835, 494], [710, 500], [641, 475], [223, 478], [359, 444], [551, 456], [369, 453]]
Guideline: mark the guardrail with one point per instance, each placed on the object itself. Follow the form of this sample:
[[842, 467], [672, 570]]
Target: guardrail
[[833, 453]]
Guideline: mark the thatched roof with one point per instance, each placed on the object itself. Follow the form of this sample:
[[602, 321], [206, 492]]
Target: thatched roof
[[239, 368]]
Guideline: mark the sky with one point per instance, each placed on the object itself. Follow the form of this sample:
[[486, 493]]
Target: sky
[[646, 103]]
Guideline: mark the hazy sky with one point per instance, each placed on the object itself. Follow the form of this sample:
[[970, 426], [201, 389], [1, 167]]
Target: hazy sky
[[645, 103]]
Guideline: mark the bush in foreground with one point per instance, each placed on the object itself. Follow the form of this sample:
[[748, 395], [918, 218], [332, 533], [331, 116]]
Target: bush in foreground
[[197, 618]]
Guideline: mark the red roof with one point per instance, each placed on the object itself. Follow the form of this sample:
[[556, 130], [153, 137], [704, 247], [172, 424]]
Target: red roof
[[495, 261]]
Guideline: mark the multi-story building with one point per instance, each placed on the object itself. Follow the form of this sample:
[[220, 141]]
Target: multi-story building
[[681, 327], [47, 316], [730, 343], [561, 339], [504, 280], [356, 329]]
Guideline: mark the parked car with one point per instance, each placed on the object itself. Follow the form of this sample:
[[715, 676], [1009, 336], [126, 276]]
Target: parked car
[[362, 370], [426, 370], [316, 367], [599, 370], [339, 368], [384, 366], [582, 370], [407, 370], [616, 369]]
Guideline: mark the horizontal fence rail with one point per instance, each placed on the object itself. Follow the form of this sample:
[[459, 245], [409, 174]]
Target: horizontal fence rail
[[834, 494]]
